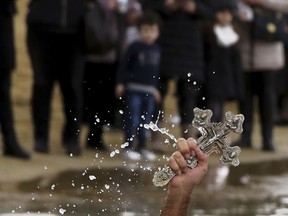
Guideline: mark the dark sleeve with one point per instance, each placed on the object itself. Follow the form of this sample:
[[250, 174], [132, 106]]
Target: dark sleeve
[[155, 5], [126, 61], [7, 7], [204, 9]]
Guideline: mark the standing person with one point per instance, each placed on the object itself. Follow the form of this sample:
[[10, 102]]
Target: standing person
[[134, 11], [7, 65], [182, 56], [281, 116], [55, 45], [137, 84], [100, 102], [224, 75], [182, 185], [260, 60]]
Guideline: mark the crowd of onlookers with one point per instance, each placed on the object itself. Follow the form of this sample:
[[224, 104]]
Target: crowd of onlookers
[[207, 47]]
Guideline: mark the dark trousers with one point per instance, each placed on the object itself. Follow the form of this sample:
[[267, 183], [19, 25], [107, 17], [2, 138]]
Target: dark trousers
[[261, 85], [188, 97], [139, 108], [99, 98], [6, 114], [56, 58]]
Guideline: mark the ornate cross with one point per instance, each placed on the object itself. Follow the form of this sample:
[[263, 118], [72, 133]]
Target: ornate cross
[[213, 139]]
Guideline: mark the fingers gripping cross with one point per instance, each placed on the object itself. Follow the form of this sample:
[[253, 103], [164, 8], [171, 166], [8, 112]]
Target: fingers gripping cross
[[213, 140]]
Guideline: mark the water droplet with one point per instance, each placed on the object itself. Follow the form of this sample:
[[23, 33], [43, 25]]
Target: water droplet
[[112, 154], [62, 211], [125, 145], [92, 177]]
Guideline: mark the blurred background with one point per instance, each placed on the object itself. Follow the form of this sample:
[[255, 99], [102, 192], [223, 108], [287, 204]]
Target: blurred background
[[103, 183]]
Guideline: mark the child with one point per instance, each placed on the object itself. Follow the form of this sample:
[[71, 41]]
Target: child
[[224, 75], [137, 84]]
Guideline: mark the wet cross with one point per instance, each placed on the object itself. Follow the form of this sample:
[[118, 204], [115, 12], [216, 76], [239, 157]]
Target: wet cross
[[213, 140]]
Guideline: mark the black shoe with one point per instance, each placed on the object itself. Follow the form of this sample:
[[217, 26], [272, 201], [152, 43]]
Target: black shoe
[[41, 146], [16, 151], [268, 147], [281, 122]]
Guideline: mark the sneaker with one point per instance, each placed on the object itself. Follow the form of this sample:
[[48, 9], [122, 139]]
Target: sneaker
[[148, 155], [132, 155]]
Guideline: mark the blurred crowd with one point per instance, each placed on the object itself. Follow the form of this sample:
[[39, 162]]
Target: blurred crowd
[[207, 47]]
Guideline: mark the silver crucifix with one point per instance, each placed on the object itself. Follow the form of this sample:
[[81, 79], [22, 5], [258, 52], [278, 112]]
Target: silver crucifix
[[213, 139]]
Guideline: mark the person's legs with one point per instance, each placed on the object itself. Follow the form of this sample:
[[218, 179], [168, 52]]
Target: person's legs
[[132, 118], [131, 122], [217, 107], [188, 95], [265, 94], [11, 145], [157, 140], [100, 101], [146, 112], [70, 76], [246, 108], [40, 46]]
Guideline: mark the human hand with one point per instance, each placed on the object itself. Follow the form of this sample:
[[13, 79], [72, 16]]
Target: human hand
[[112, 5], [119, 90], [157, 96], [171, 4], [186, 179], [189, 6], [182, 184]]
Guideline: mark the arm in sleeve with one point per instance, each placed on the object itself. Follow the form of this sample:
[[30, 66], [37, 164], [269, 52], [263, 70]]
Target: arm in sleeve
[[277, 5], [122, 75]]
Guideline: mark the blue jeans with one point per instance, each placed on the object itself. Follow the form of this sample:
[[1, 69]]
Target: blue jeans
[[139, 108]]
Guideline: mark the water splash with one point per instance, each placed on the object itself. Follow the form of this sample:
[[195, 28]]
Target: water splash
[[153, 126]]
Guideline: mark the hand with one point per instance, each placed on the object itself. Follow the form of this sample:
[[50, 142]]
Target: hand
[[171, 4], [119, 90], [157, 96], [186, 179], [112, 5], [181, 186], [189, 6]]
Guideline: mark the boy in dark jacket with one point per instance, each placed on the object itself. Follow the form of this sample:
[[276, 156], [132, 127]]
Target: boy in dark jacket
[[137, 83]]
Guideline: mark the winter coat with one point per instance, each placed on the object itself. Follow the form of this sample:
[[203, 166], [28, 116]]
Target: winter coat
[[224, 76], [181, 41]]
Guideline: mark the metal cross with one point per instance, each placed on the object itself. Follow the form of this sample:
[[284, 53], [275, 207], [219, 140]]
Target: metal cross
[[213, 139]]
